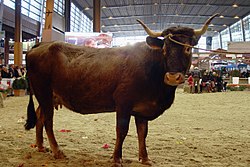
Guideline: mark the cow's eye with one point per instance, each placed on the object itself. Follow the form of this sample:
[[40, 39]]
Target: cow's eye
[[187, 50]]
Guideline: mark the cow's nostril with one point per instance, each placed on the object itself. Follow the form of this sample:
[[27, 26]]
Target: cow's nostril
[[167, 77], [178, 77]]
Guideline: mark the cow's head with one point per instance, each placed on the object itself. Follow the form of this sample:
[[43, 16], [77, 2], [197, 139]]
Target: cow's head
[[178, 57]]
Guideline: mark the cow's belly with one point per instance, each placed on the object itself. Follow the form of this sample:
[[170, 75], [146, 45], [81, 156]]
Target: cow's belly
[[86, 104]]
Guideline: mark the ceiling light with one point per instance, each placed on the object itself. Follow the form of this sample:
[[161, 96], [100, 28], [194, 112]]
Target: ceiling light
[[110, 17], [104, 7], [224, 25], [211, 25], [221, 16], [155, 3], [236, 17], [116, 25], [154, 14], [235, 6], [103, 25], [153, 22], [87, 8]]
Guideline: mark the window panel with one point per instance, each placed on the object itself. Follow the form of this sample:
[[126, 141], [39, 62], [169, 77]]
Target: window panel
[[25, 4], [216, 42], [236, 31], [79, 21], [9, 3], [225, 38], [34, 10], [59, 7], [34, 16], [25, 11], [246, 24]]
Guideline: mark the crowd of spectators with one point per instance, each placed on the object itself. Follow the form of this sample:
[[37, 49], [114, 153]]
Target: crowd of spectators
[[205, 82], [11, 71], [245, 74]]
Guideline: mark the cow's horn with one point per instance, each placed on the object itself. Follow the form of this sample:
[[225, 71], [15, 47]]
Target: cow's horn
[[150, 32], [201, 31]]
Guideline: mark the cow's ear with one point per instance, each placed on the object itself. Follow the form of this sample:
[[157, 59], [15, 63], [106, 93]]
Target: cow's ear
[[154, 43], [195, 40]]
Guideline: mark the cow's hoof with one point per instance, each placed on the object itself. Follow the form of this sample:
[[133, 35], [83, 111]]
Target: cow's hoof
[[59, 155], [42, 149], [116, 164], [147, 162]]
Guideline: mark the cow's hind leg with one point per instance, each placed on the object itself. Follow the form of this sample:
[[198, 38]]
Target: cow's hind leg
[[142, 131], [39, 129], [45, 100], [122, 126], [48, 123]]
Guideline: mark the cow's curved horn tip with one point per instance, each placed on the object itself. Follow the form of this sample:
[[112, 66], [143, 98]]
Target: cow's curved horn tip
[[138, 20], [217, 14]]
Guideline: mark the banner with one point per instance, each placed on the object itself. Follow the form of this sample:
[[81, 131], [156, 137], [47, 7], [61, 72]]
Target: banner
[[97, 40]]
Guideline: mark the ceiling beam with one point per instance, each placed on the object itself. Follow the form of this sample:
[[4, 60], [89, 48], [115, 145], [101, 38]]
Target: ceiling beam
[[167, 15], [174, 4], [159, 24]]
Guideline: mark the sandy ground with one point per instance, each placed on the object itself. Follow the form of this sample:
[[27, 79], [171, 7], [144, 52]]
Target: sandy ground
[[199, 130]]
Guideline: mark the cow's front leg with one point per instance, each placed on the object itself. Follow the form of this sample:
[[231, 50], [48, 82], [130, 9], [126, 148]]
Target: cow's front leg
[[122, 126], [142, 131]]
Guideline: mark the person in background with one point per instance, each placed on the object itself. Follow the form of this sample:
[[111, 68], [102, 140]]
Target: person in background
[[219, 83], [196, 75], [224, 86], [212, 78], [190, 81], [206, 82], [1, 67], [11, 70], [17, 72], [23, 70], [5, 72]]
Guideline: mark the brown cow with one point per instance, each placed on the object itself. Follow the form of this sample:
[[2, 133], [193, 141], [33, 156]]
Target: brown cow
[[138, 80]]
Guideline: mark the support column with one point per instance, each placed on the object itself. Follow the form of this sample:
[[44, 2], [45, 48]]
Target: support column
[[2, 34], [230, 34], [243, 29], [6, 49], [47, 31], [67, 15], [39, 38], [18, 45], [97, 16], [220, 39], [1, 14]]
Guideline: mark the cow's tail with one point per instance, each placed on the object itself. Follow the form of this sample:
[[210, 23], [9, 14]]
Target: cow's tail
[[31, 114]]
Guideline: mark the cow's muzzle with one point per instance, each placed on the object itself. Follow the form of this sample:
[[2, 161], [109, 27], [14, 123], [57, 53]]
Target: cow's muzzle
[[174, 79]]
